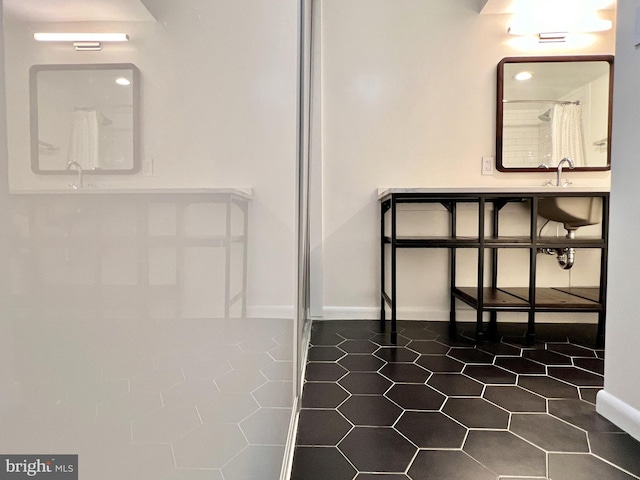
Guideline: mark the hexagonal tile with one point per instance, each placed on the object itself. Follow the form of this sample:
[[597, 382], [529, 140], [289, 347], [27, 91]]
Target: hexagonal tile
[[589, 394], [416, 397], [129, 407], [476, 413], [549, 433], [325, 338], [206, 369], [502, 451], [358, 346], [515, 399], [377, 450], [361, 363], [431, 430], [440, 364], [443, 464], [282, 353], [324, 354], [365, 383], [455, 384], [405, 373], [428, 347], [255, 461], [490, 374], [194, 474], [520, 365], [267, 426], [416, 330], [594, 365], [323, 395], [324, 372], [320, 463], [165, 425], [227, 407], [359, 329], [618, 448], [570, 350], [321, 427], [240, 381], [258, 344], [282, 371], [250, 361], [209, 446], [548, 387], [571, 466], [274, 394], [384, 476], [499, 348], [581, 414], [470, 355], [384, 340], [370, 410], [547, 357], [576, 376], [396, 354], [157, 380]]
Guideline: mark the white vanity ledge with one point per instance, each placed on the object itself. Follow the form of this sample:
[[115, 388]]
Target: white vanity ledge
[[382, 192], [245, 192]]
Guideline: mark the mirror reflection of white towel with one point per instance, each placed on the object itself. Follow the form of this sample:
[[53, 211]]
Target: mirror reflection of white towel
[[567, 137], [83, 146]]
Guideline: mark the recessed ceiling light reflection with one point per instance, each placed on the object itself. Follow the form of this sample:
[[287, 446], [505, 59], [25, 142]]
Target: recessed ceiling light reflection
[[522, 76], [123, 81]]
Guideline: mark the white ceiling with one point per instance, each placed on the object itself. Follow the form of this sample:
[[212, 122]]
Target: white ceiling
[[77, 11], [506, 6]]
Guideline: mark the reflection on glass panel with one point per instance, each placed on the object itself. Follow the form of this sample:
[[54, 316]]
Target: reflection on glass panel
[[149, 317], [87, 114]]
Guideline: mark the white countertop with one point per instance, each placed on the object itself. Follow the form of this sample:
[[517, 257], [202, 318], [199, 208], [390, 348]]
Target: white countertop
[[484, 189], [245, 192]]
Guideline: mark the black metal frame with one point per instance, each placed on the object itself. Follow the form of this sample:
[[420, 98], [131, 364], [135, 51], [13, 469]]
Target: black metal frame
[[499, 299]]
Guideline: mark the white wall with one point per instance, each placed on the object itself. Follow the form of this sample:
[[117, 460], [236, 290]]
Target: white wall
[[218, 110], [408, 99], [620, 399]]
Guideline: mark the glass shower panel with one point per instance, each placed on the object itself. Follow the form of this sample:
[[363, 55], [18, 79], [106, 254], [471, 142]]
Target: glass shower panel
[[148, 320]]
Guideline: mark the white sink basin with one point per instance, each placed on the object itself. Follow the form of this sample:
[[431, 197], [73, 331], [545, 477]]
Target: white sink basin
[[573, 212]]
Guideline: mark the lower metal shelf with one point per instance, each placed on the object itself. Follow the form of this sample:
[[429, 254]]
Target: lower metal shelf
[[516, 299]]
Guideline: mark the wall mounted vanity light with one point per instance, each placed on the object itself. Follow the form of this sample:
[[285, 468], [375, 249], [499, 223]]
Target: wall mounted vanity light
[[555, 20], [82, 41]]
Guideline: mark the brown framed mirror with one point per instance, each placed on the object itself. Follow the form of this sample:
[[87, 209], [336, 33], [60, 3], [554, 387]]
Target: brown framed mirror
[[87, 114], [549, 108]]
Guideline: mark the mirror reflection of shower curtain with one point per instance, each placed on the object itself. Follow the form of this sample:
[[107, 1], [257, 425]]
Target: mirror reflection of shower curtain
[[84, 140], [567, 137]]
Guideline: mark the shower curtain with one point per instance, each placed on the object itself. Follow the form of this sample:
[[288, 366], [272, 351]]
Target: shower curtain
[[84, 140], [567, 137]]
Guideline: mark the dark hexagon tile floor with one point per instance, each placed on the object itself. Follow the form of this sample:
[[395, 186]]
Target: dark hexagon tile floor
[[430, 407]]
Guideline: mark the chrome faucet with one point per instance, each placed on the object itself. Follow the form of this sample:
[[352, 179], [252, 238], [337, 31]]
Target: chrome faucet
[[569, 162], [75, 164]]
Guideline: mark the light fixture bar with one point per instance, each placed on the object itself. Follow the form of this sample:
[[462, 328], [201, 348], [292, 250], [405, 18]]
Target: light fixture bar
[[80, 37], [551, 37], [87, 46]]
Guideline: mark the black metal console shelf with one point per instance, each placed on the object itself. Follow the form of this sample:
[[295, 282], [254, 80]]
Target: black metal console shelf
[[486, 295]]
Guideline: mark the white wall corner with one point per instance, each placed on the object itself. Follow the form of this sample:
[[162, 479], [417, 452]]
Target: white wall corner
[[619, 413]]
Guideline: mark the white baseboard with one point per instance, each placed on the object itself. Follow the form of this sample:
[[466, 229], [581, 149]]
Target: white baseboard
[[463, 314], [618, 412]]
